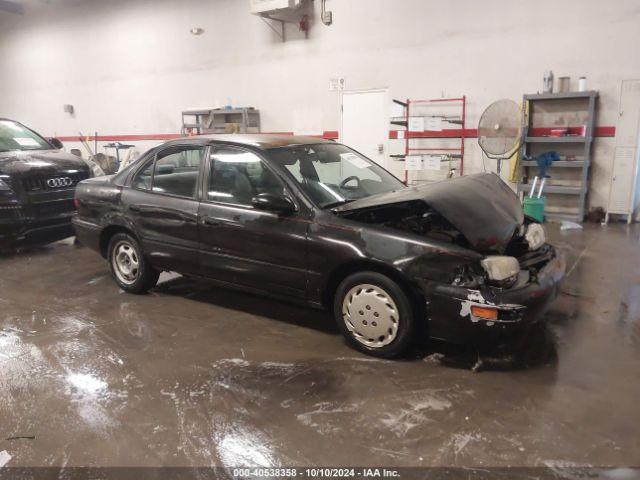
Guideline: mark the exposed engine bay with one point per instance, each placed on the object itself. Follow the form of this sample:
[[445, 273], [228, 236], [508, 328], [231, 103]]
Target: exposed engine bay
[[481, 207], [415, 217], [518, 263]]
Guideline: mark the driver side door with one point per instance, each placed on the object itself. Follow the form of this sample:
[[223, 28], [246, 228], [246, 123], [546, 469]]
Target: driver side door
[[241, 244]]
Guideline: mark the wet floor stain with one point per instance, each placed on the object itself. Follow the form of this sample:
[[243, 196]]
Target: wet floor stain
[[192, 375]]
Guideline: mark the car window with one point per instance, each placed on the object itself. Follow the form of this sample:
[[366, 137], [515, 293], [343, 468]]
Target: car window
[[331, 174], [294, 169], [142, 179], [174, 172], [238, 175]]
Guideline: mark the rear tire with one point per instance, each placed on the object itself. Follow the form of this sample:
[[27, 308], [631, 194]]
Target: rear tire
[[374, 314], [130, 269]]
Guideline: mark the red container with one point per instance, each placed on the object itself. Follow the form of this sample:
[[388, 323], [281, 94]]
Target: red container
[[558, 132]]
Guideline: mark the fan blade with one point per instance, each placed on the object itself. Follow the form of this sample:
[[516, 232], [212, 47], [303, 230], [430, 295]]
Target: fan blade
[[499, 128], [11, 7]]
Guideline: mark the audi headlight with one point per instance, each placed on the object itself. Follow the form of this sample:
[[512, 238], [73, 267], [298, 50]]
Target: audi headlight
[[535, 236], [502, 271]]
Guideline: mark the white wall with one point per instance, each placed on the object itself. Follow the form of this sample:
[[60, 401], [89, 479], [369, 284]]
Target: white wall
[[131, 67]]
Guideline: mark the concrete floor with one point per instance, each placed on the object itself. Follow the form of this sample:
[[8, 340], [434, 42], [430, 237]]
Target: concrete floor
[[195, 375]]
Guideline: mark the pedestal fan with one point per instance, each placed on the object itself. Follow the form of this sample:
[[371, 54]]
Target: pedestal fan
[[500, 130]]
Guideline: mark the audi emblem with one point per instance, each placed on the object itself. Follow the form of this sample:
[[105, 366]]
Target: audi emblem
[[59, 182]]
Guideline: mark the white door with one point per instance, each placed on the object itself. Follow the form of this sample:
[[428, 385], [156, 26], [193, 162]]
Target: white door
[[622, 180], [625, 171], [365, 123], [628, 127]]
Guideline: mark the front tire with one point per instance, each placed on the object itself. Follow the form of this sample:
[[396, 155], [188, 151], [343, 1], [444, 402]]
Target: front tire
[[374, 314], [130, 269]]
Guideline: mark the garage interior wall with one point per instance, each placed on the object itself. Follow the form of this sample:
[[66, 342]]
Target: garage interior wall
[[131, 67]]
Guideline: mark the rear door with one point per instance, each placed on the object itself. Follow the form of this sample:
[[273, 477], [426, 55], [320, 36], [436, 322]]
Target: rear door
[[162, 202], [243, 245]]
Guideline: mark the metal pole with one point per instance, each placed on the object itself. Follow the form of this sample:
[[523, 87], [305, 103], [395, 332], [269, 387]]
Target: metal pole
[[464, 111], [533, 187], [406, 144]]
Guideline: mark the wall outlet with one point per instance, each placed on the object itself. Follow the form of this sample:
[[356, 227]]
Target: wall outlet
[[336, 84]]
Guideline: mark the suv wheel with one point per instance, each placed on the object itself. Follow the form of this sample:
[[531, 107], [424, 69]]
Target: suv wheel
[[374, 314], [129, 268]]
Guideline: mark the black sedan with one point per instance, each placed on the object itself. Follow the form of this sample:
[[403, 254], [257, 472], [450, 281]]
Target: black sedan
[[314, 221]]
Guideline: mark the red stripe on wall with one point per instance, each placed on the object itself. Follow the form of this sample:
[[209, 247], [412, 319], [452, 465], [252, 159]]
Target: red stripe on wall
[[133, 138], [446, 133], [123, 138], [606, 131], [473, 133]]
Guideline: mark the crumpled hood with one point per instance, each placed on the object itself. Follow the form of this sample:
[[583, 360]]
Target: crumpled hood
[[482, 207], [45, 161]]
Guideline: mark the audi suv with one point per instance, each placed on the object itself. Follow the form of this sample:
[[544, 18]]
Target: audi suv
[[37, 185]]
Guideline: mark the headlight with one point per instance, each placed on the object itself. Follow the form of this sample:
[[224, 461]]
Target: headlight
[[502, 271], [535, 236]]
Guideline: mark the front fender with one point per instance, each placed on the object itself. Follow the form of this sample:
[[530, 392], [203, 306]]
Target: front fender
[[334, 246], [415, 256]]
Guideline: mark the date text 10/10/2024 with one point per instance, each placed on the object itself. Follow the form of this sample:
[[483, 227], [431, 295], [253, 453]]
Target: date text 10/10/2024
[[316, 472]]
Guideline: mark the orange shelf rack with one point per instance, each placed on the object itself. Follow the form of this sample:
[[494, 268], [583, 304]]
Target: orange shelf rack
[[459, 133]]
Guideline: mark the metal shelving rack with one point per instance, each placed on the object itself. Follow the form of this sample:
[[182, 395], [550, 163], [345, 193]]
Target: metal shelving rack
[[217, 120], [194, 121], [454, 153], [536, 136]]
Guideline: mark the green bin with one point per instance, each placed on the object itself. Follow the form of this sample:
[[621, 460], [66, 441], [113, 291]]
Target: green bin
[[534, 207]]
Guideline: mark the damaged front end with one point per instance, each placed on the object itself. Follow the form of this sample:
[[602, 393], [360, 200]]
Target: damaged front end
[[498, 298], [515, 276], [472, 309]]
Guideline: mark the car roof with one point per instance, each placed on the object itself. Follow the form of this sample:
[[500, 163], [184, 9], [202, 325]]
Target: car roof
[[263, 141]]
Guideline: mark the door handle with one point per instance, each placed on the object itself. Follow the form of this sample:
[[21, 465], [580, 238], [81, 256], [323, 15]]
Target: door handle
[[135, 208], [211, 221]]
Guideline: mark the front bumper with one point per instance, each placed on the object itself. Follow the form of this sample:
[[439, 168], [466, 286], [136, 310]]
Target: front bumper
[[18, 225], [449, 307]]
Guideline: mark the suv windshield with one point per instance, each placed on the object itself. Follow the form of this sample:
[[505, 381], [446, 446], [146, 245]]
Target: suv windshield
[[14, 136], [332, 174]]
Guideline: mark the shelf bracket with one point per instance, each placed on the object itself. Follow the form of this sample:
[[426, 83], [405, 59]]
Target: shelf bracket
[[281, 22]]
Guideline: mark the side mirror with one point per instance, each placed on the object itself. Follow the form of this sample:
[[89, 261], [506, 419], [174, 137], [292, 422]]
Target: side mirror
[[273, 202], [55, 143]]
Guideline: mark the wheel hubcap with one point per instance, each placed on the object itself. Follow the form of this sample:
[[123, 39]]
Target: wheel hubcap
[[371, 315], [125, 262]]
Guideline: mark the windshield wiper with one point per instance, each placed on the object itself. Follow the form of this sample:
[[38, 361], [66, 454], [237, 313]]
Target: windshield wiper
[[336, 204]]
